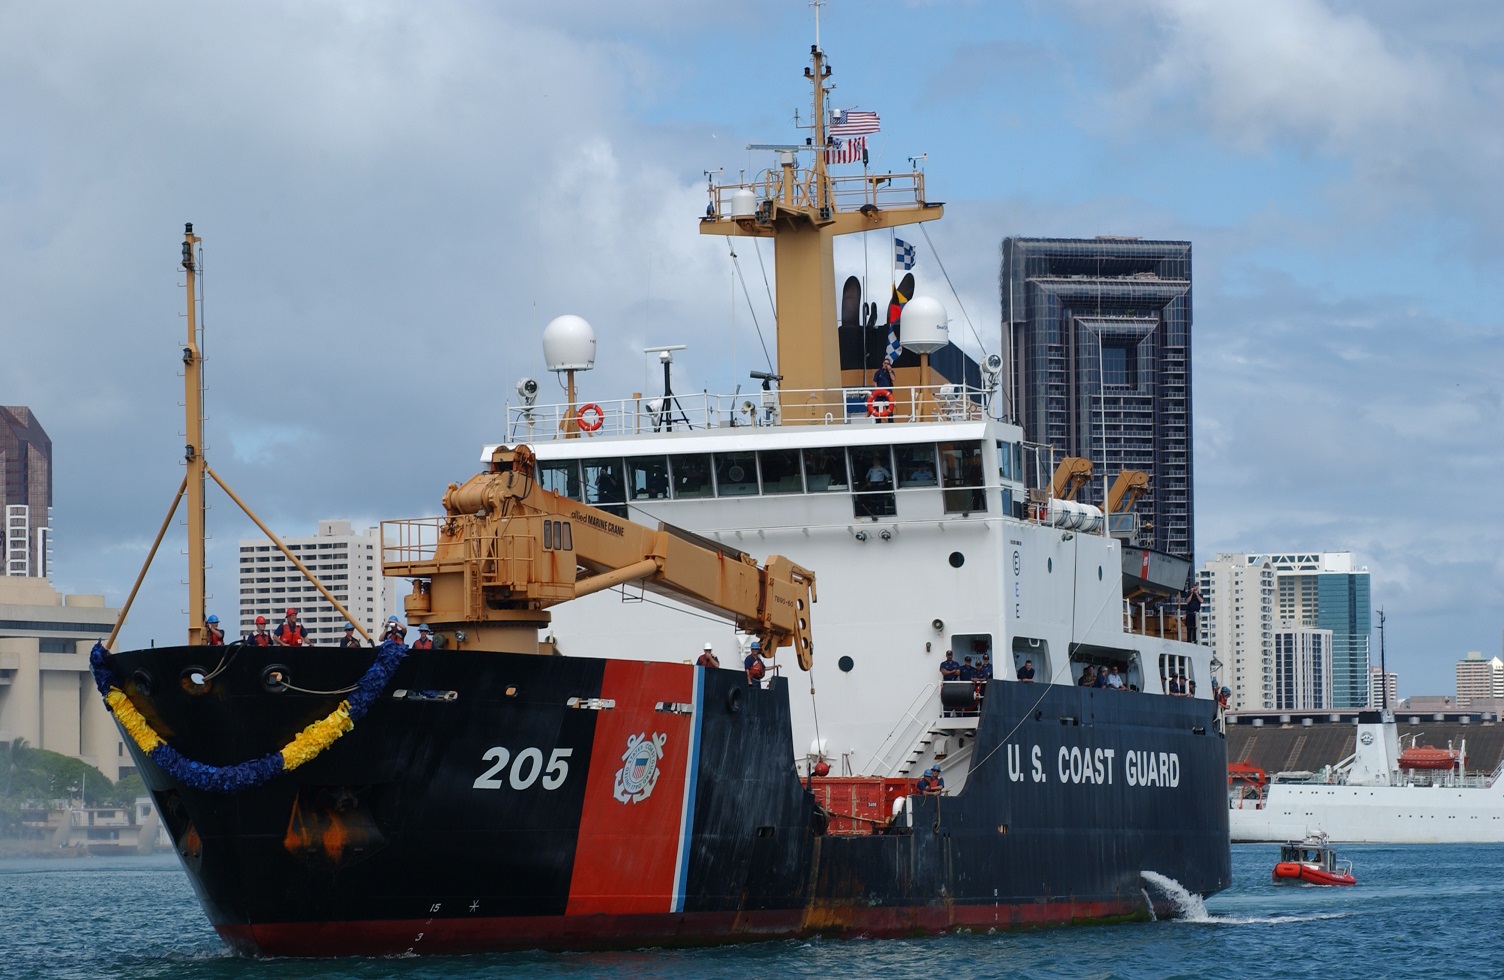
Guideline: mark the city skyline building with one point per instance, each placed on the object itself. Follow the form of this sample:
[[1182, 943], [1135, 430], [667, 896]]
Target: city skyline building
[[25, 494], [1479, 679], [47, 693], [349, 565], [1302, 668], [1325, 590], [1376, 694], [1097, 333], [1237, 622]]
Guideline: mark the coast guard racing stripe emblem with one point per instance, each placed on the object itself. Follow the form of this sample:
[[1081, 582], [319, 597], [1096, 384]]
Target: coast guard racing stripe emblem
[[639, 773]]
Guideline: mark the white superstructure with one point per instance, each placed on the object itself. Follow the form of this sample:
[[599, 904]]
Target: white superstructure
[[923, 538]]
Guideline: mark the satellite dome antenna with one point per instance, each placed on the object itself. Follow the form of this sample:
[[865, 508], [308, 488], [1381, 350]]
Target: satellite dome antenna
[[926, 329], [569, 346]]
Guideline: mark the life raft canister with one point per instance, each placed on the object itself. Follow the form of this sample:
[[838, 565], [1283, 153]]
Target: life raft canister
[[880, 403], [590, 417]]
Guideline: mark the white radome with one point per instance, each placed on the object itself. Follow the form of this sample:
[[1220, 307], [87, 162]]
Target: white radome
[[569, 344], [924, 327]]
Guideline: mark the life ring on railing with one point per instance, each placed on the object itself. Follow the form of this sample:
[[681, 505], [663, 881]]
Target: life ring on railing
[[880, 403], [595, 417]]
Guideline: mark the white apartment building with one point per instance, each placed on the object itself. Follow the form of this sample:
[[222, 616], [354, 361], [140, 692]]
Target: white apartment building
[[348, 564], [1376, 693], [1237, 621], [1302, 668], [1478, 679]]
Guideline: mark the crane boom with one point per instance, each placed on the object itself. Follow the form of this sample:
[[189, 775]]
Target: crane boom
[[507, 549]]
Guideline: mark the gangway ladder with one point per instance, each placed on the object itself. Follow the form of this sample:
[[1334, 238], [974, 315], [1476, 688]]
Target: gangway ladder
[[938, 729]]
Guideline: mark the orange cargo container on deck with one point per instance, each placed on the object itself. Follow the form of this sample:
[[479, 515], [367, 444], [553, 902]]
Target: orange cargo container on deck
[[859, 804]]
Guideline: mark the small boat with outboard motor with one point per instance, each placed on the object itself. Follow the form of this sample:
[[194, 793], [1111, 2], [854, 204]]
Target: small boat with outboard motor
[[1312, 861]]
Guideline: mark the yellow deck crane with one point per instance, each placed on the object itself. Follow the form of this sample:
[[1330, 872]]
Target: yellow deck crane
[[485, 574]]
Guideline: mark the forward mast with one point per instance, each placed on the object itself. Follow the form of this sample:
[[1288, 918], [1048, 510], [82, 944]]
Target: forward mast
[[803, 209]]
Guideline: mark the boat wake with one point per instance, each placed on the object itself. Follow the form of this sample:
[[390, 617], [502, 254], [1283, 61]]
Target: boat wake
[[1189, 907]]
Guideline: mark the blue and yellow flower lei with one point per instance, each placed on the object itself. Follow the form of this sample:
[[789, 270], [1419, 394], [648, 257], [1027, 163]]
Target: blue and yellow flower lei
[[304, 747]]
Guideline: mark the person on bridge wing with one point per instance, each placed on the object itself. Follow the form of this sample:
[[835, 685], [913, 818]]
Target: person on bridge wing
[[291, 632], [213, 635], [261, 637], [349, 639]]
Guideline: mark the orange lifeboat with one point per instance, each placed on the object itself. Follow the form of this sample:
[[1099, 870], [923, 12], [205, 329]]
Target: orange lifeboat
[[1426, 757]]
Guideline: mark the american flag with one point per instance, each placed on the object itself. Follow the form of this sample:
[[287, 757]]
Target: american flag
[[850, 150], [852, 122]]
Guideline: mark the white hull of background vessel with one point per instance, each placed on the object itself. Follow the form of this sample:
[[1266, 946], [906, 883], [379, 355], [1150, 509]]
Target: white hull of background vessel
[[1377, 814]]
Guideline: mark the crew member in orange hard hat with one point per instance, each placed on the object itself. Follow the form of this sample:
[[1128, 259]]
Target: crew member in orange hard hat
[[291, 633]]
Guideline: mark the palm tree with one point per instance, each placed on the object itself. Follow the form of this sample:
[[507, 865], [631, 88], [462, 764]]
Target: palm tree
[[13, 762]]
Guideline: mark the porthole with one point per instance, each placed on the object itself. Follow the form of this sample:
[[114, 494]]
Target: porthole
[[957, 559], [845, 663]]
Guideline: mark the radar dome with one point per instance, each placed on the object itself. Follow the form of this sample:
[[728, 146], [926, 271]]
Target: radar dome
[[743, 203], [568, 344], [923, 326]]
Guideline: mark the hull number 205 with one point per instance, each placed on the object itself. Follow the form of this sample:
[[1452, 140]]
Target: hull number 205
[[524, 769]]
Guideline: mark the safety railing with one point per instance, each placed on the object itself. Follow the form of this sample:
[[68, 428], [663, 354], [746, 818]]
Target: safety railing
[[708, 410]]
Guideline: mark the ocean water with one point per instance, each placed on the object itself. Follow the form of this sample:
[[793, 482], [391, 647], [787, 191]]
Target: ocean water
[[1417, 911]]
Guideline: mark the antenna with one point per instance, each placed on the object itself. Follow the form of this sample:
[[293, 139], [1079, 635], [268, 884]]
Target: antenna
[[1383, 667], [817, 4]]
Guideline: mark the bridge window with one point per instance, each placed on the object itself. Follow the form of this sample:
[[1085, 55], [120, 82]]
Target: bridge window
[[873, 469], [780, 471], [825, 469], [603, 485], [736, 474], [961, 469], [648, 477], [691, 475], [916, 466], [562, 476]]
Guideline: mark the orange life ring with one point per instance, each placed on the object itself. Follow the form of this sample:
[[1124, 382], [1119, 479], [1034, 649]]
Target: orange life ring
[[883, 410], [596, 417]]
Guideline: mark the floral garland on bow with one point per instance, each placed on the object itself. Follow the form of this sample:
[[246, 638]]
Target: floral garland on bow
[[304, 747]]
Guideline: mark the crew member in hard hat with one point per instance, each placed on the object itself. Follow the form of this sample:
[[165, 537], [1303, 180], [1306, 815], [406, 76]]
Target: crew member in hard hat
[[756, 669], [425, 638], [261, 637], [213, 635], [394, 632], [708, 657], [349, 639], [290, 633]]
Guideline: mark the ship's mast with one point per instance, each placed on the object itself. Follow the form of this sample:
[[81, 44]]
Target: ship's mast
[[803, 211], [193, 452]]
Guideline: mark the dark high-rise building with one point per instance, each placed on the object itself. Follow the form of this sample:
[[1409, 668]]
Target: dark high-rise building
[[25, 493], [1099, 338]]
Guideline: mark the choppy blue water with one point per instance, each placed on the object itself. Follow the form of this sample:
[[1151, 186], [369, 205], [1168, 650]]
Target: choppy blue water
[[1417, 911]]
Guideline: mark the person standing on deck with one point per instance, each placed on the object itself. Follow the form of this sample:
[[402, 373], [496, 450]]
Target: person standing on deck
[[291, 632]]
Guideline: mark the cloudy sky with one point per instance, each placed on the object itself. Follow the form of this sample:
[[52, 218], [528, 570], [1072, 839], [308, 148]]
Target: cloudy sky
[[394, 198]]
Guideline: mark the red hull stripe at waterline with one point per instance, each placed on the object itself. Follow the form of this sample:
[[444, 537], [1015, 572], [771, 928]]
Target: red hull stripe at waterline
[[465, 935]]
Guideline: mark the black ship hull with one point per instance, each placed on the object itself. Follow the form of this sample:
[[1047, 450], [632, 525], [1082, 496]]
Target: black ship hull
[[493, 801]]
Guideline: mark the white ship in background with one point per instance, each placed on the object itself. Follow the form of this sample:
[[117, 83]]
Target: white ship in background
[[1378, 794]]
